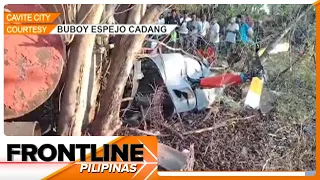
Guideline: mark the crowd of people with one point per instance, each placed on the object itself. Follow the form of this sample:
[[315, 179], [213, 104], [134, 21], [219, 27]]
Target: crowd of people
[[199, 32]]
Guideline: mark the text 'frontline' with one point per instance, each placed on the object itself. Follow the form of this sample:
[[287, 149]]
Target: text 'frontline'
[[62, 153]]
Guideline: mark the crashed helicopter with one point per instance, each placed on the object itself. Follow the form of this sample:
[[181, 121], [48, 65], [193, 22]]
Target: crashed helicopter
[[192, 84]]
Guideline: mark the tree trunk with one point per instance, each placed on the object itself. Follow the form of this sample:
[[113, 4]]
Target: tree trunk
[[98, 61], [74, 100], [122, 58]]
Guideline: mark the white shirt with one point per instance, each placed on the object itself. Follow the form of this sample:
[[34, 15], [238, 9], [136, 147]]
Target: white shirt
[[183, 28], [214, 33], [187, 20], [161, 21], [204, 27], [250, 32], [231, 37]]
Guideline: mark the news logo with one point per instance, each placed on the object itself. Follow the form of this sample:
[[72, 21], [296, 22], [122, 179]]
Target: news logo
[[127, 155]]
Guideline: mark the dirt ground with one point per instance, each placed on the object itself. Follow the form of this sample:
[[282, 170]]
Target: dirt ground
[[243, 140]]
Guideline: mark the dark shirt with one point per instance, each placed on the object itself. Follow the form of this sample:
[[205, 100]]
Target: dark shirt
[[172, 20]]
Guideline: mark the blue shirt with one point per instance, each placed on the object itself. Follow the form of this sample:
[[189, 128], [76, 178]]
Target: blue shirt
[[243, 32], [200, 26]]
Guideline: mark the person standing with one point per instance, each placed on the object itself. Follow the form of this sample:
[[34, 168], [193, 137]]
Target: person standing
[[166, 19], [192, 31], [232, 31], [161, 19], [185, 17], [204, 27], [178, 14], [250, 32], [244, 28], [183, 31], [214, 38], [173, 19]]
